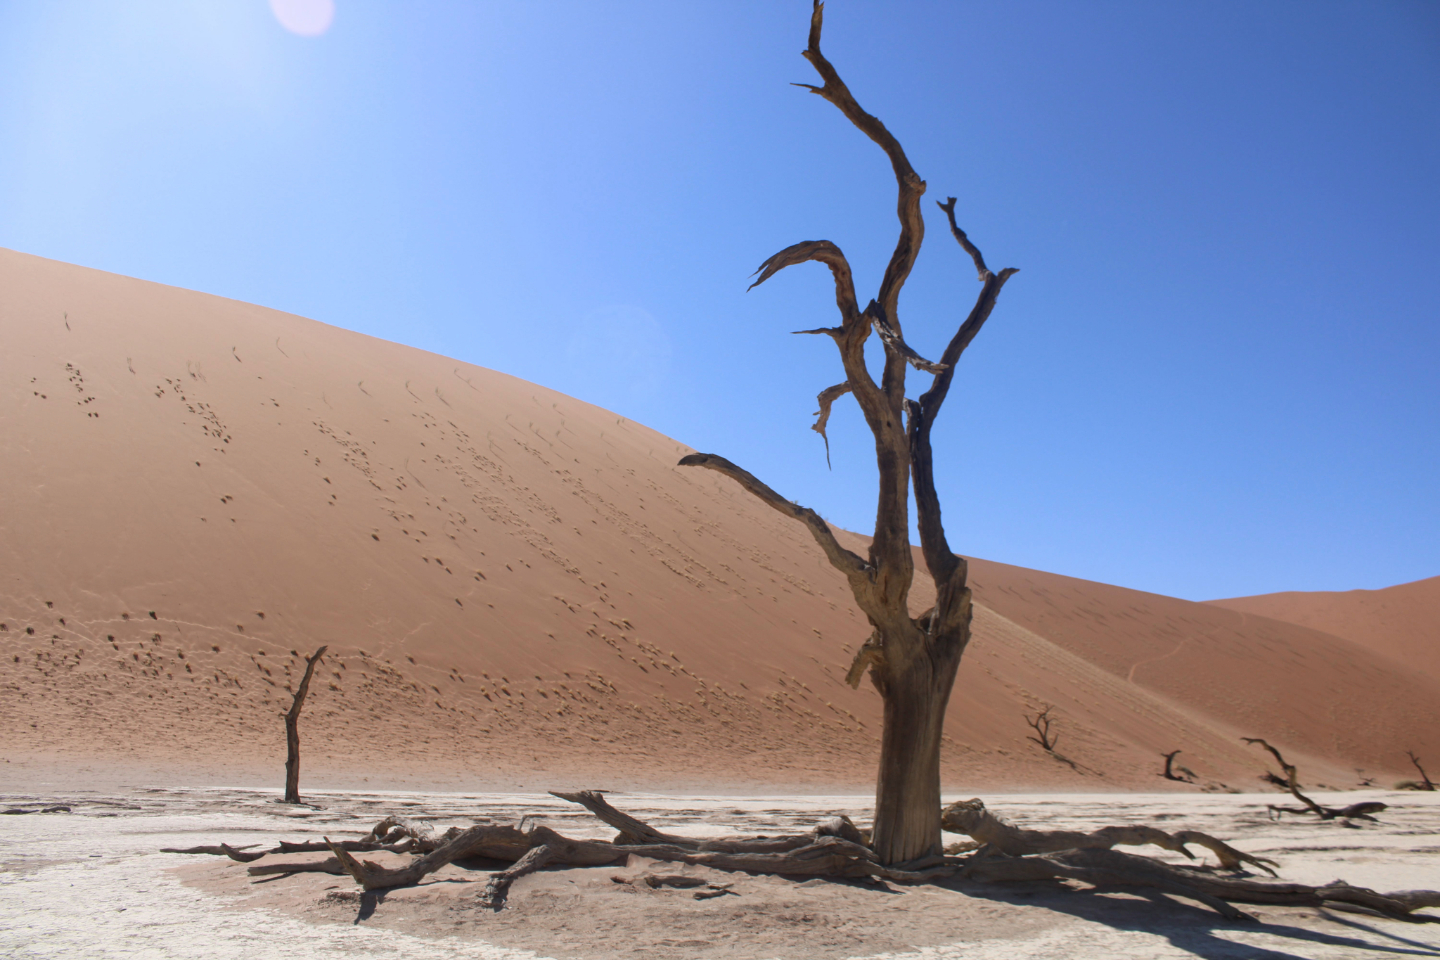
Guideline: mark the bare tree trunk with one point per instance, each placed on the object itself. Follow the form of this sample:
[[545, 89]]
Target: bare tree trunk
[[908, 787], [292, 730]]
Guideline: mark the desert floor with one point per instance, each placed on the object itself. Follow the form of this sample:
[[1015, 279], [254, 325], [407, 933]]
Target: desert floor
[[91, 883]]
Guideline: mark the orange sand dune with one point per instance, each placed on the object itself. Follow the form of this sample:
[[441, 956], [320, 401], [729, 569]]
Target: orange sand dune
[[1400, 622], [521, 590]]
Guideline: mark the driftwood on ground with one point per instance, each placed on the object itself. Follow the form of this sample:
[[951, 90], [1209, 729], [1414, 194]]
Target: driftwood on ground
[[837, 848], [1355, 811]]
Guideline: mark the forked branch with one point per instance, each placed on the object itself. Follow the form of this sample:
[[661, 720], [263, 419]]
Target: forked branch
[[1040, 723], [939, 558], [911, 187]]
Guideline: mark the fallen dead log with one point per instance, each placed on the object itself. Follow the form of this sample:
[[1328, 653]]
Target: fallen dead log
[[328, 865], [972, 819], [218, 850], [1356, 811]]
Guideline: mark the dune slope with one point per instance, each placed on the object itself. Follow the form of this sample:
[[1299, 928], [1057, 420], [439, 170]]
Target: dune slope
[[1400, 622], [521, 590]]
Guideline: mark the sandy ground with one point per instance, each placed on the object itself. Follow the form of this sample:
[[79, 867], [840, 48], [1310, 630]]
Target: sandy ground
[[90, 883]]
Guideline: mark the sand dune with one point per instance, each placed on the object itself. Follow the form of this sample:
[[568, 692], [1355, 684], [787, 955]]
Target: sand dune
[[1398, 622], [522, 591]]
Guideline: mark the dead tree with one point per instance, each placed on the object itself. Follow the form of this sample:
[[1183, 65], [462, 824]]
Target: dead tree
[[1424, 782], [1360, 811], [292, 730], [912, 660], [1169, 773], [1040, 723]]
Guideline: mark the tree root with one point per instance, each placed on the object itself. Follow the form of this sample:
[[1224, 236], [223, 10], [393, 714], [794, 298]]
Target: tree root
[[836, 848]]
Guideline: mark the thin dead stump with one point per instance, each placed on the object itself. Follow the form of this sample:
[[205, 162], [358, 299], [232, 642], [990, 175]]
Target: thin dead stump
[[292, 730], [1169, 773], [1356, 811], [1424, 782]]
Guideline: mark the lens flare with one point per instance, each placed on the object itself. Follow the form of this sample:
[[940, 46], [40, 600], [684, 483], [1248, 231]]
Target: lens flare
[[308, 18]]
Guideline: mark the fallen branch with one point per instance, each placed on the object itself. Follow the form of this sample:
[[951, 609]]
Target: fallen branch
[[1357, 811], [972, 819], [330, 865]]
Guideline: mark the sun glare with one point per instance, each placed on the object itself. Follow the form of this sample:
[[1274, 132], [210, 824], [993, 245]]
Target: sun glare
[[308, 18]]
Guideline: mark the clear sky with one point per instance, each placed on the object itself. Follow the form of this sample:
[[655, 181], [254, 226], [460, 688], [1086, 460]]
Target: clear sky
[[1218, 372]]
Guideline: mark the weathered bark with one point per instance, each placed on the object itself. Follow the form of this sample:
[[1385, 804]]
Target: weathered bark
[[908, 788], [292, 730], [1356, 811], [972, 819], [912, 662]]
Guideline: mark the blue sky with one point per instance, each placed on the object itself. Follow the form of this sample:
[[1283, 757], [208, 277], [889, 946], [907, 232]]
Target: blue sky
[[1218, 372]]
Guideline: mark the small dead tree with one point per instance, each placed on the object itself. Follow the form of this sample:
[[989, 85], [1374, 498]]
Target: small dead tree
[[292, 730], [1424, 781], [1361, 811], [912, 660], [1040, 723], [1169, 773]]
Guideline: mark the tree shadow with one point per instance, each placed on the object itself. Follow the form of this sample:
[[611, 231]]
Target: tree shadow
[[1188, 926], [369, 900]]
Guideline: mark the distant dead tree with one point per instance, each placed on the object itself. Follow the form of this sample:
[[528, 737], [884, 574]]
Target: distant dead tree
[[292, 730], [1424, 782], [912, 660], [1169, 773], [1361, 811], [1040, 723]]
